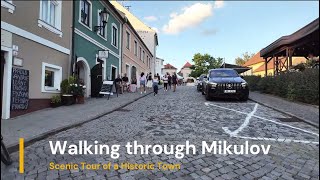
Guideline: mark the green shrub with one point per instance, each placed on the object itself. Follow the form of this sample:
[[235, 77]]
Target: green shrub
[[252, 82], [295, 86], [65, 86]]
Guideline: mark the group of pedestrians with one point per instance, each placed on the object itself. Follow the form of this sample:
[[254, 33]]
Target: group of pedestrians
[[147, 81]]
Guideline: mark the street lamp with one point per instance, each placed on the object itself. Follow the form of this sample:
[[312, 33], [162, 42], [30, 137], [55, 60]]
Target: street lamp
[[104, 15]]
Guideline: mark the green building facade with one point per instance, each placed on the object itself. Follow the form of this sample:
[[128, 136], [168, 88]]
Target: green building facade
[[89, 39]]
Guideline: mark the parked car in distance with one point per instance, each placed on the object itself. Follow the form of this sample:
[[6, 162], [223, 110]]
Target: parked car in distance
[[200, 82], [223, 83]]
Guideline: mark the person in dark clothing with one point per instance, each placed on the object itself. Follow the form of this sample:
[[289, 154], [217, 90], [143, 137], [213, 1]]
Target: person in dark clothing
[[158, 76], [174, 81], [125, 82], [118, 84], [169, 80], [125, 78]]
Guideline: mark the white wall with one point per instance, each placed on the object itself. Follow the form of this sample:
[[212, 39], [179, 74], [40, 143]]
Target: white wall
[[148, 38]]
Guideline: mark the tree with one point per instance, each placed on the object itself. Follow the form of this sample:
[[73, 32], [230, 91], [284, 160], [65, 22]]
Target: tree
[[245, 57], [203, 63]]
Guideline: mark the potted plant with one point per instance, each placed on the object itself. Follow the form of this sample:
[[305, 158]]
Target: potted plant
[[55, 101], [80, 93], [67, 90]]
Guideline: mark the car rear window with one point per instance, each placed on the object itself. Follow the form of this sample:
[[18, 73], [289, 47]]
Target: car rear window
[[223, 73]]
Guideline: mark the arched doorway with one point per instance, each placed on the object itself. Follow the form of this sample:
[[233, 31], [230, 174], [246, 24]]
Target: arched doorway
[[83, 73]]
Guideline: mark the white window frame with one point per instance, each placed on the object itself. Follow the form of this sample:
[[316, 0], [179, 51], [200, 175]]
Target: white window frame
[[140, 53], [90, 16], [135, 48], [9, 5], [56, 28], [105, 28], [57, 78], [117, 35]]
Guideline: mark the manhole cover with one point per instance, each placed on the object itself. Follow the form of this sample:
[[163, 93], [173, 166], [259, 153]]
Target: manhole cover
[[291, 119], [123, 110]]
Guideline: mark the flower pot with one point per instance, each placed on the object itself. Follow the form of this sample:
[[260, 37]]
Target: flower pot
[[67, 99], [80, 99], [54, 105]]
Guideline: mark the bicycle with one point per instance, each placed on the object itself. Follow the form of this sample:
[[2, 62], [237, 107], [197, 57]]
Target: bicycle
[[5, 156]]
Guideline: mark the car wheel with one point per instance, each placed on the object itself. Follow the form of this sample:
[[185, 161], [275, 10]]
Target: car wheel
[[207, 96], [244, 98]]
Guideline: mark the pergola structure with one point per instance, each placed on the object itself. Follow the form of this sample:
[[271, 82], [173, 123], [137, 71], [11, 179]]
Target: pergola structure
[[302, 43]]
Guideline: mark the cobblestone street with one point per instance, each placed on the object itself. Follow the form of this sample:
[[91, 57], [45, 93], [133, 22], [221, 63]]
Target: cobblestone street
[[177, 117]]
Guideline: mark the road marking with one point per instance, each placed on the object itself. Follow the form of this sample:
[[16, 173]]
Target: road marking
[[273, 121], [278, 140], [244, 124], [21, 155]]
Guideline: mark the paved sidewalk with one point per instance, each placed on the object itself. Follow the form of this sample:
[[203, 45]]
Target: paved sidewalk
[[308, 113], [50, 120]]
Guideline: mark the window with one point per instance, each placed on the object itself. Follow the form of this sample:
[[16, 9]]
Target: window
[[85, 8], [50, 16], [128, 40], [143, 56], [114, 36], [49, 11], [147, 60], [101, 31], [140, 53], [135, 48], [51, 78]]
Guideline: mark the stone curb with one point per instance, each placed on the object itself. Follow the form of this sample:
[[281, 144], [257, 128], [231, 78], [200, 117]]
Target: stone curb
[[287, 113], [27, 142]]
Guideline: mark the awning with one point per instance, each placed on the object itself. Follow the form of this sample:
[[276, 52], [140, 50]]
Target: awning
[[309, 32]]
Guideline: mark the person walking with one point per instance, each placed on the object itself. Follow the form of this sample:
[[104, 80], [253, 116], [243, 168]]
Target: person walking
[[149, 81], [142, 83], [169, 80], [165, 83], [155, 85], [158, 76], [174, 81]]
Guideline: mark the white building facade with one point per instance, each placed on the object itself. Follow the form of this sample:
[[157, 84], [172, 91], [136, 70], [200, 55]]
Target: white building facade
[[147, 34], [159, 66]]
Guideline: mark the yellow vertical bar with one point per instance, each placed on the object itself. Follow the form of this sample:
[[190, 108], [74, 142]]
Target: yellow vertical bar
[[21, 155]]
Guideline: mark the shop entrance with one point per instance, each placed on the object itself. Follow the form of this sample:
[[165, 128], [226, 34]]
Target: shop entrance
[[96, 80]]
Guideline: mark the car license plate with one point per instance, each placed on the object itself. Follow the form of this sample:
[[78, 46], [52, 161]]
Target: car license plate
[[229, 91]]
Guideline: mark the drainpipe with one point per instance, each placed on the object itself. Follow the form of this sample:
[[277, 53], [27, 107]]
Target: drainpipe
[[73, 40]]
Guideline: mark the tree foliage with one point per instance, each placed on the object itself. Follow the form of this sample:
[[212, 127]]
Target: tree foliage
[[244, 58], [203, 63]]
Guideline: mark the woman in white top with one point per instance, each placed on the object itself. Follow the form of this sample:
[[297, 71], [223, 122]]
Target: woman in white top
[[143, 83], [149, 81], [165, 82]]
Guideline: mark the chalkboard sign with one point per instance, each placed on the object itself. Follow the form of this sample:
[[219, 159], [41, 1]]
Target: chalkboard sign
[[19, 89], [106, 88]]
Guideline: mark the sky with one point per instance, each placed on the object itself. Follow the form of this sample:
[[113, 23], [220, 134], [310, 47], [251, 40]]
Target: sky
[[225, 29]]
